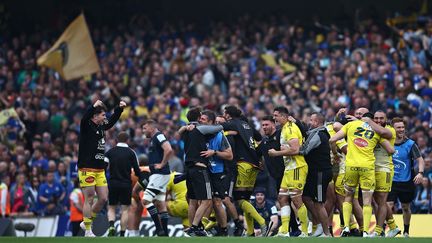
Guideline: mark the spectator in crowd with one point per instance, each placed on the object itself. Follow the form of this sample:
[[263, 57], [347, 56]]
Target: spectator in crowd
[[267, 209], [34, 190], [50, 196], [21, 197], [422, 201], [4, 198], [76, 208], [39, 160]]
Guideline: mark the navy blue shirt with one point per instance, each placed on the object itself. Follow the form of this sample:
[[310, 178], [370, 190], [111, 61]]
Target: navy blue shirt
[[50, 192], [156, 153], [266, 212]]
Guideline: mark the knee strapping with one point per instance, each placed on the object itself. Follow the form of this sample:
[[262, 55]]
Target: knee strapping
[[349, 189], [294, 193], [285, 211], [150, 195]]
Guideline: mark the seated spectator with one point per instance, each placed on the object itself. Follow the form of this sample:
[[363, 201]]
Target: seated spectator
[[50, 196], [267, 209]]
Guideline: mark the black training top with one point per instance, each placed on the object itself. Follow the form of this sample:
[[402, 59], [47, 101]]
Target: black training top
[[121, 159], [244, 142], [275, 165], [91, 152]]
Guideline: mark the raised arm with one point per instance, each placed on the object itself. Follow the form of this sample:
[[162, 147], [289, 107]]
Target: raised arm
[[90, 111], [114, 118]]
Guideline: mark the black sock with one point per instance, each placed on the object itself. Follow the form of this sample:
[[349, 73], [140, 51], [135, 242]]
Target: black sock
[[342, 220], [200, 225], [164, 220], [111, 223], [331, 230], [155, 216], [406, 228], [237, 222], [122, 233], [293, 222]]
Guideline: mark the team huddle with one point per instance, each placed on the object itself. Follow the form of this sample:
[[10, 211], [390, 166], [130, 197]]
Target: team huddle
[[359, 165]]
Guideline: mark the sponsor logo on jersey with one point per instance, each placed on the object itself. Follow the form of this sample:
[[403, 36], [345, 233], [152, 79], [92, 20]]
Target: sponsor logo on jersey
[[90, 179], [360, 142]]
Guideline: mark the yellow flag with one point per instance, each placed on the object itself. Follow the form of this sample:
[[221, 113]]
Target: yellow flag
[[6, 114], [73, 54], [269, 60], [288, 68]]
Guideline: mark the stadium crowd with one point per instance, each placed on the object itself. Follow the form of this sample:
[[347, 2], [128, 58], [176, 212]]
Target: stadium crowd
[[161, 71]]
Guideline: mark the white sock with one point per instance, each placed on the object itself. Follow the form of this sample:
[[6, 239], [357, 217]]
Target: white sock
[[319, 230]]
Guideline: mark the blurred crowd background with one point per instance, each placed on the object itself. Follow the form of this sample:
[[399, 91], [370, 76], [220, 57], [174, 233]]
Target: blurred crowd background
[[162, 67]]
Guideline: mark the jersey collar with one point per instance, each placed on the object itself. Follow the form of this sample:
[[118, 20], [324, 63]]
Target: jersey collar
[[122, 145]]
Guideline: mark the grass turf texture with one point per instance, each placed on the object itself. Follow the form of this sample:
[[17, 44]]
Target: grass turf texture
[[204, 239]]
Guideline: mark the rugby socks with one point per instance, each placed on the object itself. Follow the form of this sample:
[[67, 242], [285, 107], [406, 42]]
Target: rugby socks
[[249, 223], [155, 216], [378, 229], [367, 215], [302, 214], [111, 223], [391, 223], [285, 212], [185, 222], [314, 227], [406, 228], [122, 233], [347, 210], [87, 223], [237, 222], [249, 209], [164, 220], [353, 225]]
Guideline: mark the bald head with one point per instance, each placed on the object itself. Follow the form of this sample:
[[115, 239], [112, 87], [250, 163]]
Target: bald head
[[360, 112], [380, 117]]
